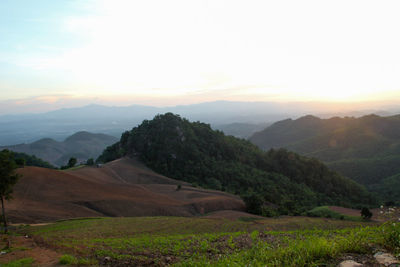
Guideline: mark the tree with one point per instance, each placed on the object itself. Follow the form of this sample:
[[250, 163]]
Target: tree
[[254, 202], [20, 162], [8, 178], [72, 162], [90, 162], [366, 213]]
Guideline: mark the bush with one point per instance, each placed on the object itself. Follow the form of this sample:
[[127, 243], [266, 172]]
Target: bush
[[90, 162], [366, 213], [68, 260], [254, 203], [27, 262]]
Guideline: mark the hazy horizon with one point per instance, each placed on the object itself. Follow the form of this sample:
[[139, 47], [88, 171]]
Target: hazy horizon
[[58, 54], [42, 105]]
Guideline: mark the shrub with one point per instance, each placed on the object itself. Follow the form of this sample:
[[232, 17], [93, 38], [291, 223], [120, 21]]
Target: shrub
[[366, 213], [27, 262], [68, 259]]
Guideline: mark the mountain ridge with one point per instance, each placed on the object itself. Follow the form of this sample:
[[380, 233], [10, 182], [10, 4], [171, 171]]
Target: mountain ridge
[[366, 149], [81, 145], [113, 120]]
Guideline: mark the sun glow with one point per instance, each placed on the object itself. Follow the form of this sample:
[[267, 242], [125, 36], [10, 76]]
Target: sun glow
[[223, 49]]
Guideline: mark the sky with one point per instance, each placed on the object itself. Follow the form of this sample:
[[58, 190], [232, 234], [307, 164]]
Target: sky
[[68, 53]]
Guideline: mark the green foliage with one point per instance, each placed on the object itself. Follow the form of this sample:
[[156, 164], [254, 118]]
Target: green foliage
[[90, 162], [366, 213], [8, 178], [364, 149], [208, 242], [20, 162], [326, 212], [254, 202], [390, 188], [71, 162], [110, 153], [193, 152], [391, 235], [26, 262], [68, 260], [31, 160]]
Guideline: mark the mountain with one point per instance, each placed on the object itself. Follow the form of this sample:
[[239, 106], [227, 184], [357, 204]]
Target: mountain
[[121, 188], [280, 181], [81, 145], [240, 130], [366, 149], [59, 124]]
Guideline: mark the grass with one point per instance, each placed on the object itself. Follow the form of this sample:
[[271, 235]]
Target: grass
[[288, 241], [26, 262], [326, 212], [68, 260]]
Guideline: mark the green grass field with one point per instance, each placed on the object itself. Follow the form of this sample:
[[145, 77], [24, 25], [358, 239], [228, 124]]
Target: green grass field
[[290, 241], [325, 212]]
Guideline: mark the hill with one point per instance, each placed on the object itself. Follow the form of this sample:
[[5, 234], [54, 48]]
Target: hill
[[240, 130], [113, 120], [123, 187], [366, 149], [81, 145], [270, 182]]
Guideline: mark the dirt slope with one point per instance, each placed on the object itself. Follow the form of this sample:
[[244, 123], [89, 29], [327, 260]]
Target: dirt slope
[[123, 187]]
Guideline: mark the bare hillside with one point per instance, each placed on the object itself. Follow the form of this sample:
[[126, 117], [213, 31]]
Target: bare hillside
[[123, 187]]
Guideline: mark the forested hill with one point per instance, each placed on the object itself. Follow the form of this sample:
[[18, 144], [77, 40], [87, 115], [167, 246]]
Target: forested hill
[[81, 145], [335, 138], [193, 152], [366, 149]]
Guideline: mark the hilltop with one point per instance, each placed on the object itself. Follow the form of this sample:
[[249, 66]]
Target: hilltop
[[365, 149], [81, 145], [274, 182]]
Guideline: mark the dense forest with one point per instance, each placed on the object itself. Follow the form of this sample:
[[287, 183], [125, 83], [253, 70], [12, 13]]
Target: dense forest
[[273, 182], [31, 160], [365, 149]]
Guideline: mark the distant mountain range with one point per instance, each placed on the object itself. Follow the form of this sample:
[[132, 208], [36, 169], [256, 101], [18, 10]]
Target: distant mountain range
[[366, 149], [245, 117], [81, 145]]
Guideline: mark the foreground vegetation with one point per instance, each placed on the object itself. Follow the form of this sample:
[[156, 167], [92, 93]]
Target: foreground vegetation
[[291, 241]]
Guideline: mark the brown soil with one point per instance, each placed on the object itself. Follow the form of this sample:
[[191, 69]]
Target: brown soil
[[124, 187], [232, 215], [25, 247], [346, 211]]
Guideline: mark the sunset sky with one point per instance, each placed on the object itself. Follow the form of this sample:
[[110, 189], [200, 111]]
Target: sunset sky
[[171, 52]]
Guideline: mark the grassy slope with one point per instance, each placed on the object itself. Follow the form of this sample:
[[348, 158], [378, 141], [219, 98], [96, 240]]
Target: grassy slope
[[203, 242]]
